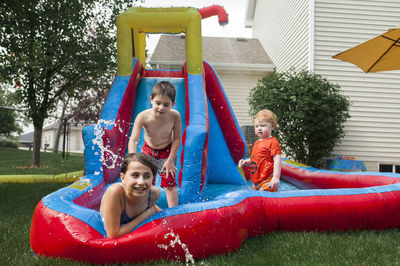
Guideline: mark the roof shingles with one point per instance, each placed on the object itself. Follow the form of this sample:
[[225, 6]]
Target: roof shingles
[[171, 48]]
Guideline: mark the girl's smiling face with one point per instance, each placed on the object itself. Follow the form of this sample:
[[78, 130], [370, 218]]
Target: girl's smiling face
[[137, 180], [263, 129]]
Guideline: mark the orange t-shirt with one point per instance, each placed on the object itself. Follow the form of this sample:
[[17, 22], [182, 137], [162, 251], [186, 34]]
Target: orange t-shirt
[[262, 163]]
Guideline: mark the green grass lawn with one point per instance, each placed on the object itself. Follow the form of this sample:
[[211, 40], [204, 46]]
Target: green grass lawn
[[278, 248], [17, 162]]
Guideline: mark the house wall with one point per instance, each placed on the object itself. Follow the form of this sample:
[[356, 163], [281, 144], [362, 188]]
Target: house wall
[[282, 28], [373, 131], [48, 136], [237, 85], [75, 139]]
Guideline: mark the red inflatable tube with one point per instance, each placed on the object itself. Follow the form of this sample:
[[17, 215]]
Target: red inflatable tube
[[218, 101], [304, 178], [204, 229], [215, 10]]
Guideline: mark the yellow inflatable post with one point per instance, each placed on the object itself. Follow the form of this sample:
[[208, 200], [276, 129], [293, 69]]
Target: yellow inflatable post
[[134, 23], [60, 178]]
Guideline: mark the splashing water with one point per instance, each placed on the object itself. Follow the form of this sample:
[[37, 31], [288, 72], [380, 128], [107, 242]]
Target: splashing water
[[107, 156], [99, 132], [173, 242]]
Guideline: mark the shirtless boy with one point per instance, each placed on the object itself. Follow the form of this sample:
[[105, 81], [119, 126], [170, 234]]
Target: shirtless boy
[[162, 127]]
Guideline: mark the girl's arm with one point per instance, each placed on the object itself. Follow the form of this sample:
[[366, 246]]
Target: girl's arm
[[155, 195], [127, 228], [111, 208]]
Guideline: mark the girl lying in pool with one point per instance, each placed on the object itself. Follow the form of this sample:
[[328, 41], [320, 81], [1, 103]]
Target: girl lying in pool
[[127, 204]]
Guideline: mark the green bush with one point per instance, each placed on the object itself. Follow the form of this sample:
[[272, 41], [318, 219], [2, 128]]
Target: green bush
[[8, 143], [310, 111]]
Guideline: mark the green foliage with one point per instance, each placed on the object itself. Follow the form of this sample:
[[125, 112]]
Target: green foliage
[[53, 47], [8, 121], [8, 143], [8, 117], [310, 111]]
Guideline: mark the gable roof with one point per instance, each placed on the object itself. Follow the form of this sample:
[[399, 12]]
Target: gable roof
[[26, 138], [221, 52]]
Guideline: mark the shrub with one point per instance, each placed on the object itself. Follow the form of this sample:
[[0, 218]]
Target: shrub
[[8, 143], [310, 111]]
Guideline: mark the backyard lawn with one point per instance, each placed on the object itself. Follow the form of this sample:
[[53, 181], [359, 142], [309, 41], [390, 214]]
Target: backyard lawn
[[278, 248], [17, 162]]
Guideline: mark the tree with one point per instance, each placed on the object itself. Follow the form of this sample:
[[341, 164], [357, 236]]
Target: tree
[[86, 109], [8, 116], [53, 47], [64, 102], [310, 111]]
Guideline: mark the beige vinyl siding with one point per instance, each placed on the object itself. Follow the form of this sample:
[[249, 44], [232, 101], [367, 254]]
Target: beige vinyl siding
[[239, 64], [282, 28], [237, 86], [74, 142], [373, 131]]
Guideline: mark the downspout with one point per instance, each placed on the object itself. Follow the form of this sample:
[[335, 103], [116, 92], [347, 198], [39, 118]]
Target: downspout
[[210, 11]]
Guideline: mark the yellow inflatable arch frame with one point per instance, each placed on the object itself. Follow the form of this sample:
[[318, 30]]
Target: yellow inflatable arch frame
[[135, 22]]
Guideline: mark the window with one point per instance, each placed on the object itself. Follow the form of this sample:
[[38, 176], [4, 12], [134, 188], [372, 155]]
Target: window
[[391, 168]]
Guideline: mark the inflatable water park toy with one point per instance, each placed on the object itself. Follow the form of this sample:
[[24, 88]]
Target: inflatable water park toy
[[218, 210]]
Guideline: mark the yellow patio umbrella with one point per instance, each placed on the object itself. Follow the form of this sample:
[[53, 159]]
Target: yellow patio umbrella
[[381, 53]]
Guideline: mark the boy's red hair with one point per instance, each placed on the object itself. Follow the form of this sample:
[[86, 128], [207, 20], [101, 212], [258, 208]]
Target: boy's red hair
[[266, 115]]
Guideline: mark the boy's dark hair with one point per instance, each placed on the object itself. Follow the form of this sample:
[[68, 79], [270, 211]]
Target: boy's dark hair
[[164, 88], [142, 158]]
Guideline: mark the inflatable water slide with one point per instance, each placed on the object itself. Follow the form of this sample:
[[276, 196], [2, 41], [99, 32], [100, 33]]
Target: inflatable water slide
[[218, 210]]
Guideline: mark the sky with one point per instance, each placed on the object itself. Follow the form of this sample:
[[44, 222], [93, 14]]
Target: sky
[[236, 10]]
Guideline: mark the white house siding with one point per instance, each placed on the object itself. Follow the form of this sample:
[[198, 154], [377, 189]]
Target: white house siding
[[74, 143], [373, 131], [47, 138], [282, 28], [76, 140], [237, 86]]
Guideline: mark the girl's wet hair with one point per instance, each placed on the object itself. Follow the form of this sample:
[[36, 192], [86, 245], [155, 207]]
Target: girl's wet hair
[[138, 157], [164, 88]]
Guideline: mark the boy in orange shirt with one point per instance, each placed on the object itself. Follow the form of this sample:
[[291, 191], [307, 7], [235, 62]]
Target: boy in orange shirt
[[265, 161]]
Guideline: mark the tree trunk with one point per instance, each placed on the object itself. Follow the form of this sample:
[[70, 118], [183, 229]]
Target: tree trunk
[[60, 125], [37, 139], [58, 134]]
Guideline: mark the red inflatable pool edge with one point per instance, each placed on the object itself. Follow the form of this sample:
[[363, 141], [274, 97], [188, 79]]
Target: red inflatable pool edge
[[215, 231], [176, 237]]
